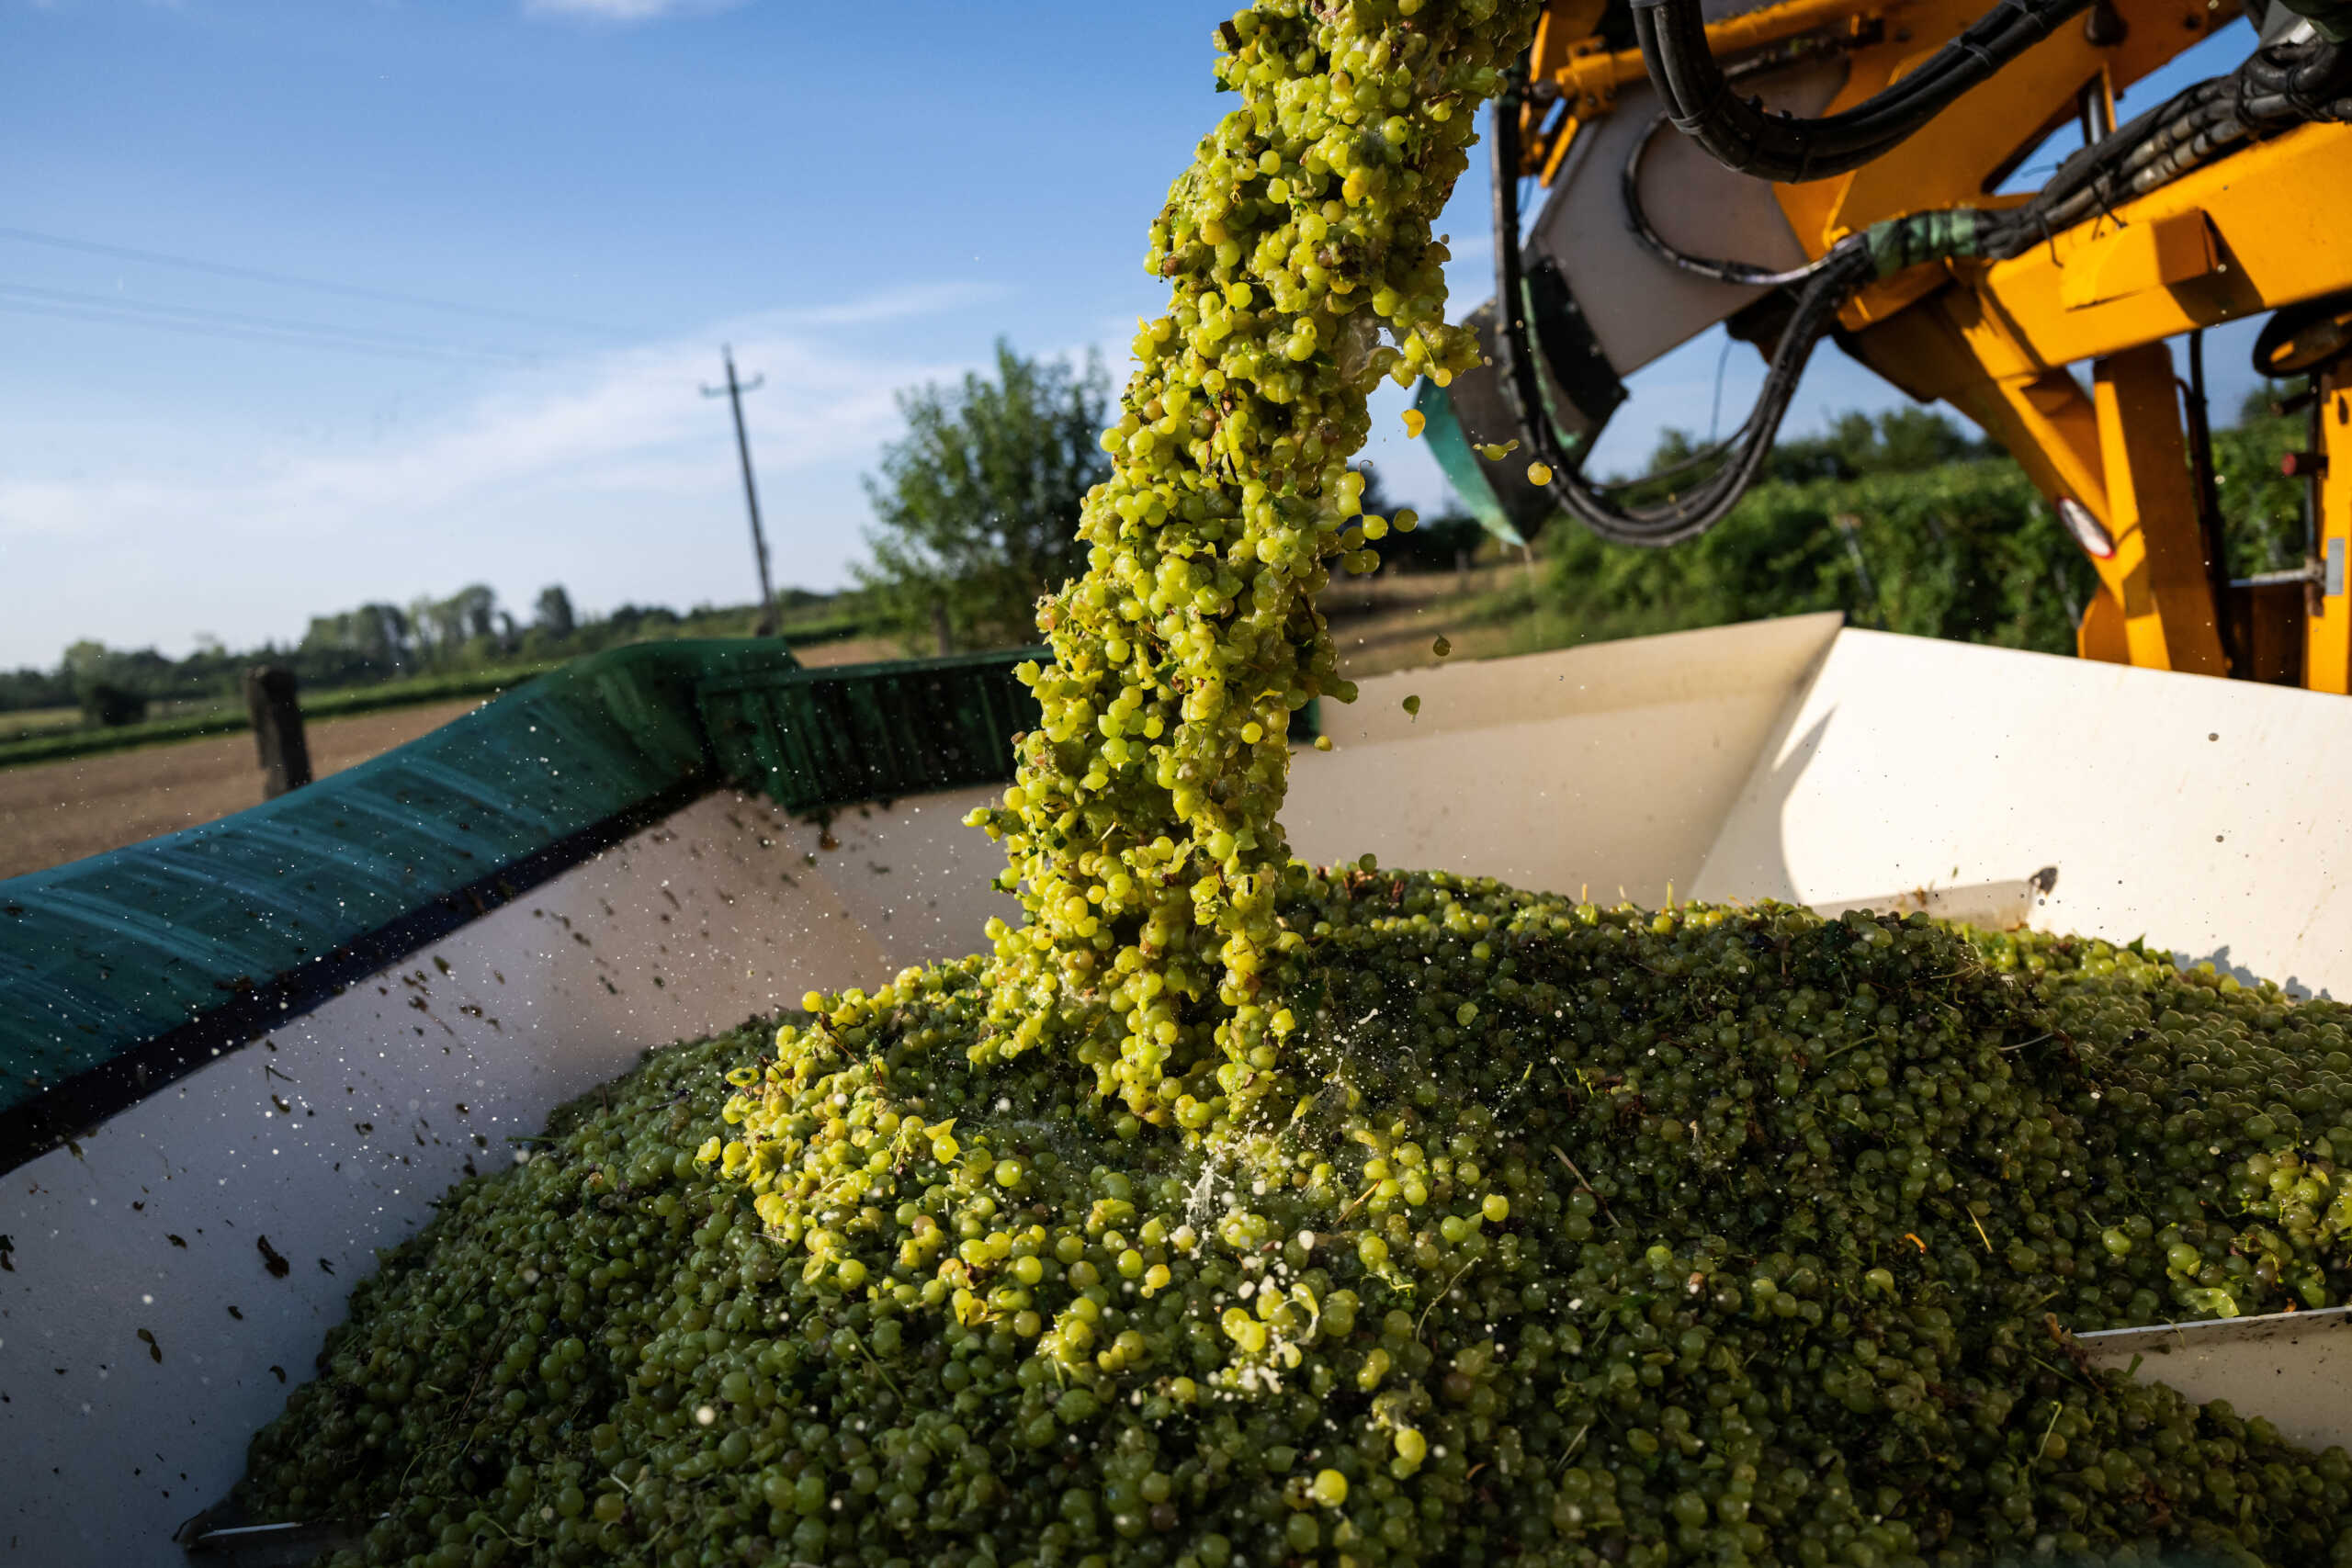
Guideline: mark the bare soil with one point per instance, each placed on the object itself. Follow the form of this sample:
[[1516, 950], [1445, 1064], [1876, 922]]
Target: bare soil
[[1389, 623], [55, 812], [849, 651]]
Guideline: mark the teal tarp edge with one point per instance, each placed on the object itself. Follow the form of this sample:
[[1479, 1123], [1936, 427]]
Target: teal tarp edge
[[121, 971]]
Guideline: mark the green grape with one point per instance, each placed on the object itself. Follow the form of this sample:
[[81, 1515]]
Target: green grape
[[1229, 1210], [1735, 1234], [1141, 829]]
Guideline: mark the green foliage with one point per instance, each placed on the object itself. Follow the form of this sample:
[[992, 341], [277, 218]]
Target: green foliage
[[1907, 523], [1897, 441], [111, 707], [226, 717], [1963, 549], [375, 655], [554, 615], [1904, 522], [372, 641], [29, 690], [977, 509], [2263, 506]]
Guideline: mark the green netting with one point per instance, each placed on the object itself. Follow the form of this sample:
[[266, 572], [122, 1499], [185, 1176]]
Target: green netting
[[822, 738], [120, 972], [825, 737]]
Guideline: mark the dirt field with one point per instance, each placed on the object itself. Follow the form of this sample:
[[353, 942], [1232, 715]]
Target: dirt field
[[849, 651], [54, 812], [1389, 623]]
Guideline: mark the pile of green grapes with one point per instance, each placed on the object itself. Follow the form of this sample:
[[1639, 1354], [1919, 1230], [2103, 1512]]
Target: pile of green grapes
[[1142, 828], [1585, 1236], [1229, 1214]]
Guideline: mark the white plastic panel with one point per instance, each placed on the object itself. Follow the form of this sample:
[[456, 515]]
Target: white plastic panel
[[1604, 767], [2200, 813], [1638, 306], [1784, 758], [333, 1136], [2294, 1368]]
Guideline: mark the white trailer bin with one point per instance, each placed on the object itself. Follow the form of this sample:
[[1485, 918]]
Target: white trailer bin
[[236, 1061]]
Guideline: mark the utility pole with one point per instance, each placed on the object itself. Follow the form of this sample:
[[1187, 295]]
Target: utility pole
[[734, 390]]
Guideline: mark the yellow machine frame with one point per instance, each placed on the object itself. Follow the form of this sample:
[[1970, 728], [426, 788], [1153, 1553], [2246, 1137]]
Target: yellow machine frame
[[2269, 227]]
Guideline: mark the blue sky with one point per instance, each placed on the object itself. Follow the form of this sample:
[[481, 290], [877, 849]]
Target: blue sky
[[505, 241]]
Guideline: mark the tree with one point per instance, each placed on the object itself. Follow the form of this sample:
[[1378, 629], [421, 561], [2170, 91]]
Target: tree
[[111, 705], [447, 625], [375, 638], [977, 509], [103, 684], [554, 615], [2262, 508]]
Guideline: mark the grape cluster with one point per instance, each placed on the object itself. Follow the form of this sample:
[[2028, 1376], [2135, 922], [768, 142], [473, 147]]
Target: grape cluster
[[1585, 1236], [1141, 829]]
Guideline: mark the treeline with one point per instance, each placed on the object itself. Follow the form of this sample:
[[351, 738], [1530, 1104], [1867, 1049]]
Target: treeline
[[1903, 519], [468, 631], [1904, 522]]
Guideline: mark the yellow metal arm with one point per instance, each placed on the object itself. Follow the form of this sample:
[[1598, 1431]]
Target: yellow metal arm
[[2006, 343]]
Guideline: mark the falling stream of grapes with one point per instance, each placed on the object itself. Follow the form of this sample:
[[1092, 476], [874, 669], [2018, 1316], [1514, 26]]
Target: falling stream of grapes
[[1143, 826], [1232, 1213]]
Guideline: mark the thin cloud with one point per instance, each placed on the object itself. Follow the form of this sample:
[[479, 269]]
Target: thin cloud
[[623, 12], [894, 305], [610, 472]]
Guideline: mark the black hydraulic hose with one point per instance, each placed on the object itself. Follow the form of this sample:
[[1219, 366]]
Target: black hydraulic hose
[[1742, 135], [1515, 367], [1637, 219], [1685, 515], [2284, 85], [2277, 89]]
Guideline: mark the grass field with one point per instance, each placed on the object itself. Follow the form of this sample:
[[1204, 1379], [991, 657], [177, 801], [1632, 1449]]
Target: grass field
[[36, 721]]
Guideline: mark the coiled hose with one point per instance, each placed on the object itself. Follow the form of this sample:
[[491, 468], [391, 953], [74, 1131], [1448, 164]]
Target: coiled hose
[[1743, 135], [2297, 81]]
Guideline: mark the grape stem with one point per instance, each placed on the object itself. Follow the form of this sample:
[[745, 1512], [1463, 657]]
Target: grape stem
[[1442, 1295], [1586, 1184], [2041, 1447]]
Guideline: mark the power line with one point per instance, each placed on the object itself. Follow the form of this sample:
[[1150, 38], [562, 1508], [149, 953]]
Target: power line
[[293, 280], [198, 328], [340, 336]]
